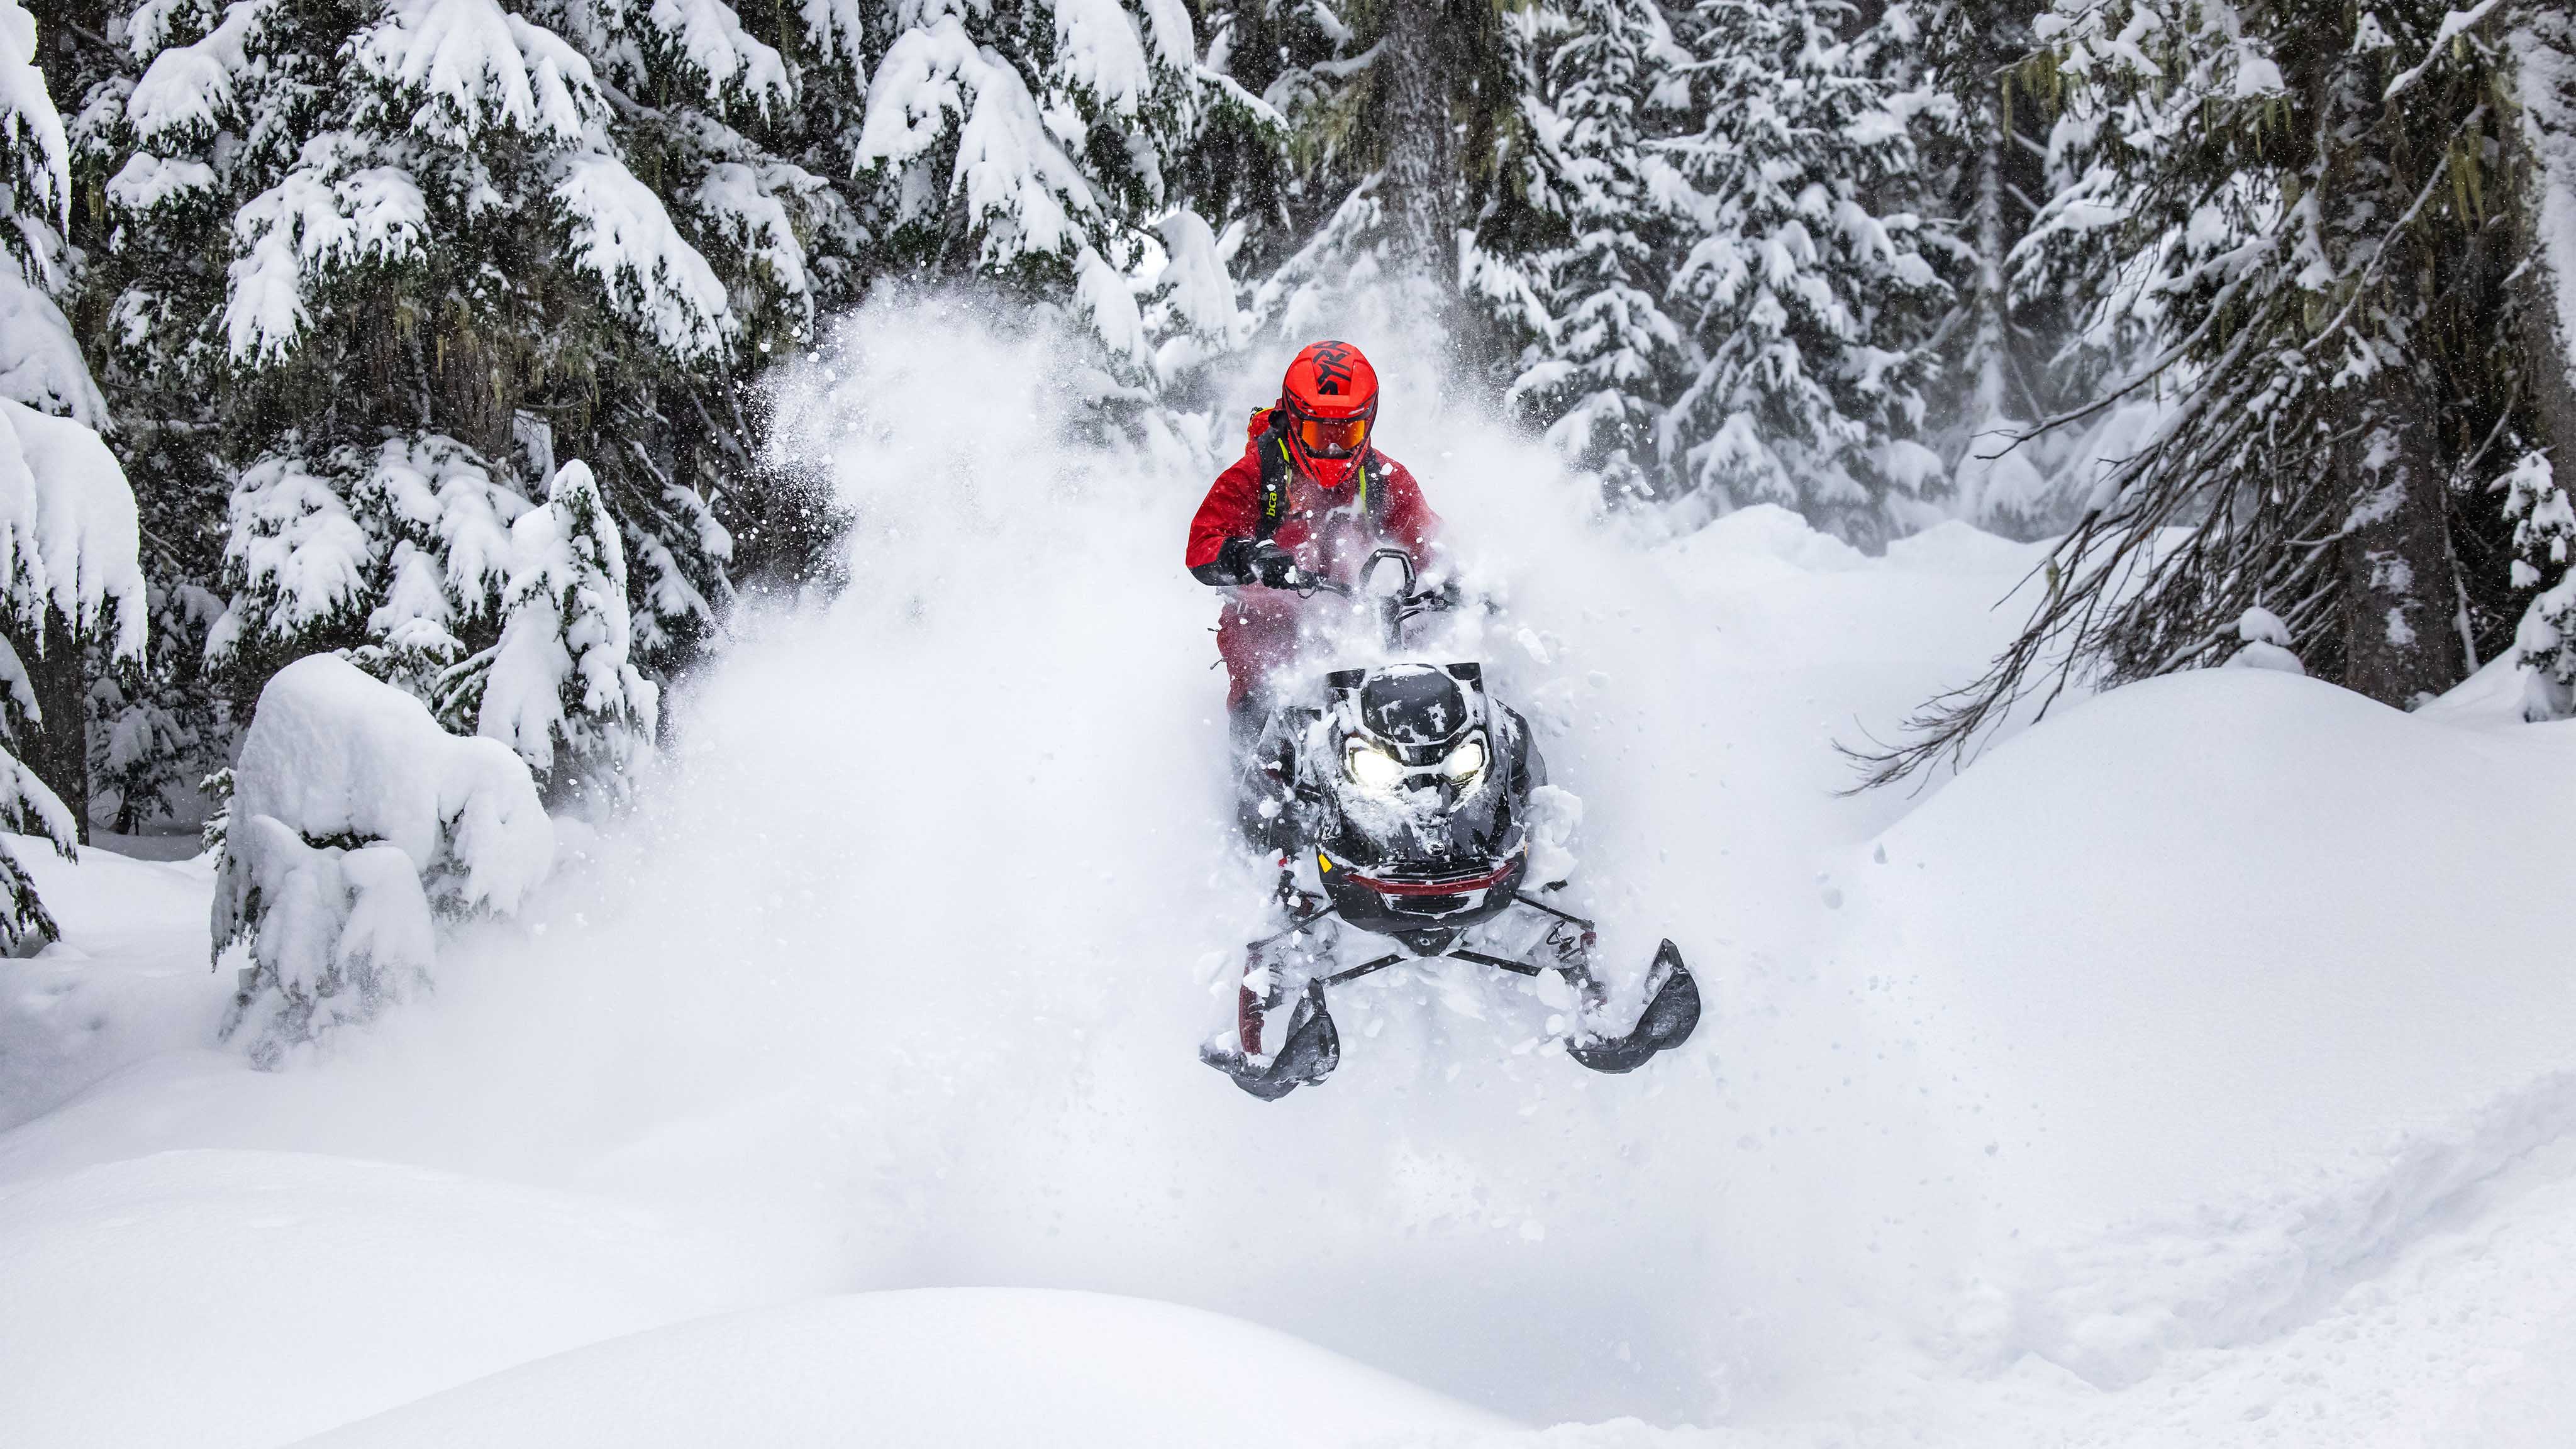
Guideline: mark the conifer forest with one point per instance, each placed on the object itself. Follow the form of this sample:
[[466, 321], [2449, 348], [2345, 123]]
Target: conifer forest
[[341, 287]]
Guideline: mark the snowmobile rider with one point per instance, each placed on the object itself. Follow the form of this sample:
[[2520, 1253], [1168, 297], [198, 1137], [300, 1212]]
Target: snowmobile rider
[[1311, 495]]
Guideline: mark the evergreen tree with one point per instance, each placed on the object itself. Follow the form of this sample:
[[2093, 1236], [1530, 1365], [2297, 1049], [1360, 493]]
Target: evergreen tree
[[1600, 358], [2008, 352], [74, 598], [2315, 222], [70, 587], [439, 264], [1806, 292], [158, 724], [358, 275], [559, 686]]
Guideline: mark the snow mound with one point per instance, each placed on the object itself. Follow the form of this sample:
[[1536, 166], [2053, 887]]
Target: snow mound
[[945, 1366], [331, 752], [1955, 547], [1765, 533], [2218, 1031], [128, 981], [356, 821], [218, 1298]]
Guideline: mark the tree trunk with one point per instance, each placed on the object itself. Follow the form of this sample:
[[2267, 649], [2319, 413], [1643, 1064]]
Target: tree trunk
[[2545, 294], [1986, 404], [2401, 585], [1421, 154], [57, 748]]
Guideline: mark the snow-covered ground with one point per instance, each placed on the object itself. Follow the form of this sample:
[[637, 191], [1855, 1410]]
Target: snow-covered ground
[[2195, 1069]]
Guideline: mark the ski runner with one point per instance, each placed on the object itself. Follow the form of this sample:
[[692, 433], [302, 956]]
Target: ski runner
[[1311, 495]]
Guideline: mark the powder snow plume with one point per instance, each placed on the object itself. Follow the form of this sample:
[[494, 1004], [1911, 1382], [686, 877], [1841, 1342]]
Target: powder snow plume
[[917, 936]]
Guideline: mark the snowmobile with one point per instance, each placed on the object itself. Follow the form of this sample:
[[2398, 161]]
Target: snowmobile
[[1408, 788]]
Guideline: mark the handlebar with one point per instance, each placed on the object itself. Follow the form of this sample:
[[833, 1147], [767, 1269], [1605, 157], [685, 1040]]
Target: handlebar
[[1394, 609], [1308, 585]]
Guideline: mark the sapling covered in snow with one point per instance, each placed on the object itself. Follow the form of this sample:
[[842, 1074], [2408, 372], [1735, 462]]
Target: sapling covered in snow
[[356, 826], [2544, 536], [2267, 643], [560, 687]]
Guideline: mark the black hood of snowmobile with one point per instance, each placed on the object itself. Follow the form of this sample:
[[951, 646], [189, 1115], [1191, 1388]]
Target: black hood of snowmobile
[[1385, 856]]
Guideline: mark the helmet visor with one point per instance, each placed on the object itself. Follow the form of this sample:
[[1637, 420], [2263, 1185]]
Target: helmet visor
[[1332, 437]]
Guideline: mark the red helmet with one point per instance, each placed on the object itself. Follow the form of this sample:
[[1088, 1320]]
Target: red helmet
[[1328, 407]]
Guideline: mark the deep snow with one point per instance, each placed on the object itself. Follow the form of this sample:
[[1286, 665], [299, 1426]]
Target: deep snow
[[2194, 1069]]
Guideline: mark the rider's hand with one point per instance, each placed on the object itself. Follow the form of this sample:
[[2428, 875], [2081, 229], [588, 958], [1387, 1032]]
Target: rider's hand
[[1272, 565]]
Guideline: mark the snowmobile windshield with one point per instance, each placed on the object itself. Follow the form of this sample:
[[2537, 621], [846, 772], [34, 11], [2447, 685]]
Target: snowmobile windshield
[[1416, 711]]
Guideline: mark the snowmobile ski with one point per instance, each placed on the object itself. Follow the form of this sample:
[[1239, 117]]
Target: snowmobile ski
[[1312, 1049], [1671, 1014]]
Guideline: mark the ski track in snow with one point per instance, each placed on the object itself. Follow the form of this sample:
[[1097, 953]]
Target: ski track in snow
[[2153, 1083]]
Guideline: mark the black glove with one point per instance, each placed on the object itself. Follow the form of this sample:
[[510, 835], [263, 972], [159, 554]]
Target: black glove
[[1272, 565], [1242, 561]]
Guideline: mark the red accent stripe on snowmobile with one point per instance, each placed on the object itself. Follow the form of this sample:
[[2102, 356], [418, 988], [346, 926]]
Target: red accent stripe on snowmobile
[[1436, 888]]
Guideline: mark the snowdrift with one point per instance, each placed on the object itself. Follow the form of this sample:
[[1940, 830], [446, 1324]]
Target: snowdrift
[[247, 1298], [950, 1366], [132, 983], [2233, 960]]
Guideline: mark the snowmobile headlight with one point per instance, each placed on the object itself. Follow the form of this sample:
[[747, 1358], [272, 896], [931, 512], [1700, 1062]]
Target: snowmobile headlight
[[1371, 768], [1466, 762]]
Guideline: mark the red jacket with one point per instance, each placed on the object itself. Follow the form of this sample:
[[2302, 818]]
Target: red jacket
[[1325, 544]]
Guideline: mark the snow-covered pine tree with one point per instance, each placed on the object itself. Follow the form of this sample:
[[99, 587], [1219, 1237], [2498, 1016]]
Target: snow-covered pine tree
[[157, 725], [436, 247], [69, 572], [2314, 215], [2544, 520], [1032, 145], [1806, 290], [74, 597], [1606, 224], [560, 687], [432, 260], [2008, 353]]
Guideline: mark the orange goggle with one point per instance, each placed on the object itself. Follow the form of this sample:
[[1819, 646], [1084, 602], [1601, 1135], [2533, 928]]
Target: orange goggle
[[1331, 437]]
